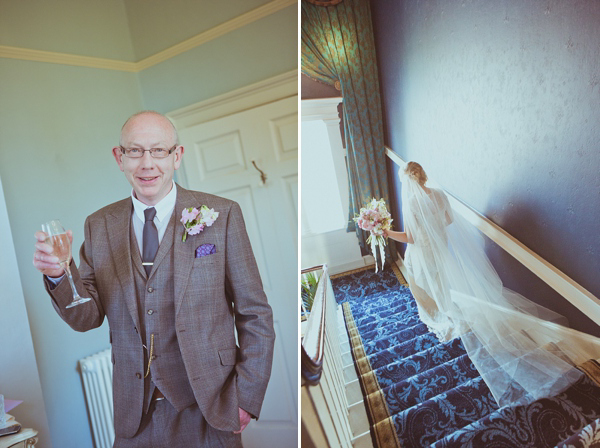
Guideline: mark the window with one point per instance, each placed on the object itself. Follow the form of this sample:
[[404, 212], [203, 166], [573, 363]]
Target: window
[[321, 202]]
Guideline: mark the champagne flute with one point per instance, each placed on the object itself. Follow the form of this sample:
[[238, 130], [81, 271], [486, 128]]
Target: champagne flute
[[57, 237]]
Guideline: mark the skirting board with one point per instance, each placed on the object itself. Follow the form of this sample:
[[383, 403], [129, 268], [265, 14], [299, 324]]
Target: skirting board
[[367, 260]]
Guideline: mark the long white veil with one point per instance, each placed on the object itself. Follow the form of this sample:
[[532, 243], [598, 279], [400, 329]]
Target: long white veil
[[522, 350]]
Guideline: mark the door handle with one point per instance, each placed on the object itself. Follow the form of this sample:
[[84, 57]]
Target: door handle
[[263, 176]]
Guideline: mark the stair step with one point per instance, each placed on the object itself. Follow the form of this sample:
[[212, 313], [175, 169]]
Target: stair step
[[417, 363], [377, 305], [544, 423], [384, 324], [403, 350], [364, 322], [363, 441], [363, 284], [419, 388], [433, 419], [395, 339], [354, 392], [391, 329]]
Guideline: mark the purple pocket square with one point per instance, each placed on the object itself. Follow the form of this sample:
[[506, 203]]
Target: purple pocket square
[[205, 249]]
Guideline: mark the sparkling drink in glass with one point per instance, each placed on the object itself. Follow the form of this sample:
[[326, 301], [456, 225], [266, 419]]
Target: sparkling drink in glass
[[57, 237]]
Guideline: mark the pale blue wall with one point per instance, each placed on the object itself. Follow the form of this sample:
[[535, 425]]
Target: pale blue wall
[[57, 127], [260, 50], [19, 376], [500, 103]]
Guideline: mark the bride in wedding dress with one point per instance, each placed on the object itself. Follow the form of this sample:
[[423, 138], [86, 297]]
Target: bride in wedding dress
[[522, 350]]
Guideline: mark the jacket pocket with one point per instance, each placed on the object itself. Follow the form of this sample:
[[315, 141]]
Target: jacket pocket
[[228, 356], [216, 258]]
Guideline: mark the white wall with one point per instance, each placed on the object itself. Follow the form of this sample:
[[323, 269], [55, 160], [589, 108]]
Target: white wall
[[19, 378]]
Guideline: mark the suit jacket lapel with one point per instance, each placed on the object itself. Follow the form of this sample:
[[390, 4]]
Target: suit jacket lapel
[[135, 252], [118, 226], [165, 244], [183, 251]]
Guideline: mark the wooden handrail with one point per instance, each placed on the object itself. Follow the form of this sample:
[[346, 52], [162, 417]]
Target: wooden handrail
[[314, 268], [325, 407], [313, 344], [552, 276], [311, 369]]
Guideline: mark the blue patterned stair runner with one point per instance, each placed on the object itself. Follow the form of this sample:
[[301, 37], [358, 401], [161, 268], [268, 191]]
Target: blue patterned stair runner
[[420, 392]]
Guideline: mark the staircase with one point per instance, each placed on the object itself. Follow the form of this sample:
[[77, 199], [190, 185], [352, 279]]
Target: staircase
[[420, 392]]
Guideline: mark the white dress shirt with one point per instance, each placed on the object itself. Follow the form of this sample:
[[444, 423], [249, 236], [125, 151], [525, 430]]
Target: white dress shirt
[[164, 210]]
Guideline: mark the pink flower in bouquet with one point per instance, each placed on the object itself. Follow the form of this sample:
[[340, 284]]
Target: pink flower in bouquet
[[368, 225], [196, 229], [189, 214], [375, 219]]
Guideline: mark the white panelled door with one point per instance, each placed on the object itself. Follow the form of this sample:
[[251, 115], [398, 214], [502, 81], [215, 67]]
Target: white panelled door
[[226, 157]]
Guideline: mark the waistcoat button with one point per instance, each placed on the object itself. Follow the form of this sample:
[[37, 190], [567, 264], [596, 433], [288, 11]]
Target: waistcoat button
[[150, 289], [150, 311], [138, 376]]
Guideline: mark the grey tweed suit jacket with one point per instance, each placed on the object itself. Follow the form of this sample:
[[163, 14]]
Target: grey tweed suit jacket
[[212, 295]]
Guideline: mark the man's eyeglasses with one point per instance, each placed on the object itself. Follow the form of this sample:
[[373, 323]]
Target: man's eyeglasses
[[137, 153]]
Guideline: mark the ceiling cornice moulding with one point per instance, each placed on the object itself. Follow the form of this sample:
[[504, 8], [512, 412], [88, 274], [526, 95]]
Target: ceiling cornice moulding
[[217, 31], [240, 21], [28, 54]]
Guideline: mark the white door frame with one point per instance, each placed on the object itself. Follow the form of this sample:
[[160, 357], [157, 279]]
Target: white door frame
[[263, 92], [244, 98]]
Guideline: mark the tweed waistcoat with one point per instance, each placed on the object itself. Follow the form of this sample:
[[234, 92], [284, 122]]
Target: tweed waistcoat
[[156, 311]]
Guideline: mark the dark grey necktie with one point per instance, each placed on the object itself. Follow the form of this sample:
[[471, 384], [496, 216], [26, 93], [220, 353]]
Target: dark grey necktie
[[150, 240]]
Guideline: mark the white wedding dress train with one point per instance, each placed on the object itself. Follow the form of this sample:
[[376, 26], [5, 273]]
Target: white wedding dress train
[[522, 350]]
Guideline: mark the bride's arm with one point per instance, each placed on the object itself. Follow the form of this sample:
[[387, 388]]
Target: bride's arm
[[403, 237]]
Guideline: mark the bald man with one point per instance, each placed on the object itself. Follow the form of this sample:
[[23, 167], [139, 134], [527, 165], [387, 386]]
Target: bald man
[[174, 304]]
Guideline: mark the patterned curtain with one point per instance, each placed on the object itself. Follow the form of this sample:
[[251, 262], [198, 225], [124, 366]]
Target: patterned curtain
[[338, 49]]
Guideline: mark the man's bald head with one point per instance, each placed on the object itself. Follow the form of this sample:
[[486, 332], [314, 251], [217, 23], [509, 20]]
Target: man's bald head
[[151, 177], [149, 117]]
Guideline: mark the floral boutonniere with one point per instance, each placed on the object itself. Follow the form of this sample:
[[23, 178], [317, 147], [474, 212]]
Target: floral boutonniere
[[194, 221]]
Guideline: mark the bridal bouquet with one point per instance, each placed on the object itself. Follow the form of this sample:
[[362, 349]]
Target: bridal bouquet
[[375, 218]]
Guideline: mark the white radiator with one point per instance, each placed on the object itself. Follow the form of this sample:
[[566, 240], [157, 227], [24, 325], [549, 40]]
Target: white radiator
[[96, 372]]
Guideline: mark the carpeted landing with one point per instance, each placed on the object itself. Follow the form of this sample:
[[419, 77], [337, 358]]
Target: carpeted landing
[[420, 392]]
